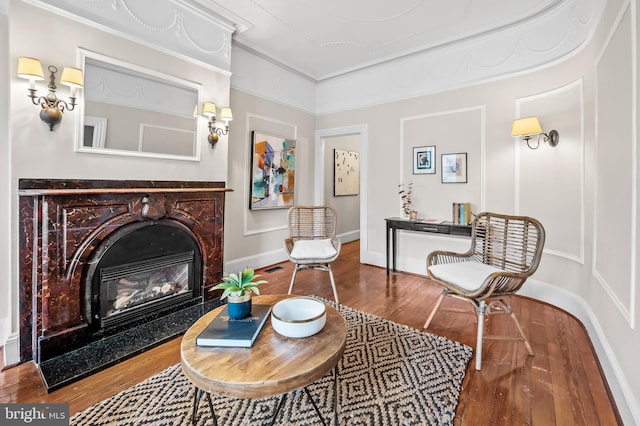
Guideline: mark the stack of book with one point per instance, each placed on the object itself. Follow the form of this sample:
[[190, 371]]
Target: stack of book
[[461, 213], [224, 331]]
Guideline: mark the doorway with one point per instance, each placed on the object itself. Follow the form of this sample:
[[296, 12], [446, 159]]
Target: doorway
[[351, 209]]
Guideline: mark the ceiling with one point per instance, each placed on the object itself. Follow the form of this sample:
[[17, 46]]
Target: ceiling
[[328, 38]]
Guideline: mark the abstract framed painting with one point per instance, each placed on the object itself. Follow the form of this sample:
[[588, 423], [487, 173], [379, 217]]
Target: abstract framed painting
[[273, 166], [346, 172], [454, 168], [424, 160]]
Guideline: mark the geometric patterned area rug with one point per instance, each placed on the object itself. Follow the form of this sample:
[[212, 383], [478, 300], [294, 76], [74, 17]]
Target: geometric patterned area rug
[[390, 375]]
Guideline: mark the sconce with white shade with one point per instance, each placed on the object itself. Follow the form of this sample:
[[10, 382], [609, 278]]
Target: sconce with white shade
[[530, 126], [52, 107], [209, 111]]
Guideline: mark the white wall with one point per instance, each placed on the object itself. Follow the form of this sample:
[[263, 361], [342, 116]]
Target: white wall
[[348, 206], [584, 191], [255, 237], [35, 152], [5, 180]]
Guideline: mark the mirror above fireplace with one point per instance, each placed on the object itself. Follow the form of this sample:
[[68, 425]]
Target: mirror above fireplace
[[133, 111]]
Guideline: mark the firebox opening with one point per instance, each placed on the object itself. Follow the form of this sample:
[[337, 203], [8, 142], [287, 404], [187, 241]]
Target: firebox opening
[[131, 290], [141, 271]]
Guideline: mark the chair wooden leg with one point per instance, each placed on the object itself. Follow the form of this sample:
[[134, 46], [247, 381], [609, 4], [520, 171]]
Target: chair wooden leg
[[293, 278], [526, 342], [433, 311], [333, 283], [481, 311]]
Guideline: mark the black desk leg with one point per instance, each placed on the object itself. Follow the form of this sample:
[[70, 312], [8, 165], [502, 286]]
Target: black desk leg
[[387, 245], [197, 395], [280, 405], [394, 244]]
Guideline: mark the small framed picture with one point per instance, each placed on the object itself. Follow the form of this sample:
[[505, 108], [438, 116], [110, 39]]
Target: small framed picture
[[424, 160], [454, 168]]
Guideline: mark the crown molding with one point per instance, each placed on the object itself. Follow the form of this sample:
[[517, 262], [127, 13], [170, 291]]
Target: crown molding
[[180, 27]]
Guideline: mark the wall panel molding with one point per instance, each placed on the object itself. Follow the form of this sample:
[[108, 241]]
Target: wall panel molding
[[615, 193], [558, 171], [453, 145], [263, 221]]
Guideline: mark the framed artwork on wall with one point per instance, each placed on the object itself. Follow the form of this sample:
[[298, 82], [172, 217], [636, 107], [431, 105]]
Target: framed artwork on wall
[[273, 168], [424, 160], [346, 172], [454, 168]]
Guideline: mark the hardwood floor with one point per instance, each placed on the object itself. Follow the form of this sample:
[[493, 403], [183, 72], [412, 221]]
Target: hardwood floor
[[562, 384]]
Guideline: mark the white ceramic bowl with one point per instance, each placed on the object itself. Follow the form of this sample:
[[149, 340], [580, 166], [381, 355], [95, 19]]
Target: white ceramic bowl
[[298, 316]]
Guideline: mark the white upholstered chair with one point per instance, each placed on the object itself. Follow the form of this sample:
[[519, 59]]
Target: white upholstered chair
[[312, 241], [505, 251]]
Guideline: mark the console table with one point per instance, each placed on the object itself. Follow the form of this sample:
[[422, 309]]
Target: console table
[[395, 223]]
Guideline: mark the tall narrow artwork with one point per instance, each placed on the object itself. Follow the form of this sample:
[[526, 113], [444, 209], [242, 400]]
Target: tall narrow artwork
[[346, 172], [273, 168]]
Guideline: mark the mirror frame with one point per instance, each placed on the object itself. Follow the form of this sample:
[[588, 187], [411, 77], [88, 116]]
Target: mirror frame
[[80, 117]]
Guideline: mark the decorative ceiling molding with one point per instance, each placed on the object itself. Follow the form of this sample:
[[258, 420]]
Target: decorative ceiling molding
[[521, 48], [180, 27], [330, 38]]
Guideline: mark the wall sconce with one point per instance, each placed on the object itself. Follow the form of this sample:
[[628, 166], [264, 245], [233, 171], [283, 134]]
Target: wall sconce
[[209, 111], [529, 126], [52, 107]]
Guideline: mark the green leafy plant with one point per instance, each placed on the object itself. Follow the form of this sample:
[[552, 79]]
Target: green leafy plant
[[239, 285]]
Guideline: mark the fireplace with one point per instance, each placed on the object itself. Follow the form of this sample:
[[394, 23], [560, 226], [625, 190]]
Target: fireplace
[[140, 272], [107, 263]]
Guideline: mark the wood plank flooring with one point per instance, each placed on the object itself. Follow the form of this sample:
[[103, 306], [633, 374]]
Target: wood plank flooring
[[562, 384]]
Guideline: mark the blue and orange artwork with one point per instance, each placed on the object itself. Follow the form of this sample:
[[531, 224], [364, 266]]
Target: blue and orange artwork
[[273, 172]]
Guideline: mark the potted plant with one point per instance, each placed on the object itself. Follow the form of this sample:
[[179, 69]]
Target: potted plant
[[238, 290]]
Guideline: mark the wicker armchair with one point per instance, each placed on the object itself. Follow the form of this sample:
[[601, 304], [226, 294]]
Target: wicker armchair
[[505, 251], [312, 241]]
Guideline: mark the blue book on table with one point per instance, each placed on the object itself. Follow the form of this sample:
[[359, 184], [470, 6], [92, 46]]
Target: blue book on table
[[224, 331]]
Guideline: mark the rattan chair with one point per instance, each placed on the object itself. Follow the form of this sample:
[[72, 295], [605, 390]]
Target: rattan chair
[[505, 251], [312, 241]]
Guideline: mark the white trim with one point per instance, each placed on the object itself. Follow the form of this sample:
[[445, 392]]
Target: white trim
[[99, 125], [246, 175], [349, 236], [482, 110], [616, 378], [180, 50], [256, 261], [363, 131], [580, 258], [11, 352], [557, 296], [628, 313]]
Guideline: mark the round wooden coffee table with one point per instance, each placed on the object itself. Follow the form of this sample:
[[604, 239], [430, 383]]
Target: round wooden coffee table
[[274, 365]]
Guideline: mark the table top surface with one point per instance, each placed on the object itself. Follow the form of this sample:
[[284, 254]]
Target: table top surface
[[274, 365]]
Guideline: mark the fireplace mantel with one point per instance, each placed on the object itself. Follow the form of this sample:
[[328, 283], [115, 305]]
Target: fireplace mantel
[[63, 222]]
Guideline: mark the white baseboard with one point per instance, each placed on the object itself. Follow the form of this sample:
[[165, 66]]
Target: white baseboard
[[347, 237], [5, 330], [275, 256], [256, 261], [627, 404], [11, 351]]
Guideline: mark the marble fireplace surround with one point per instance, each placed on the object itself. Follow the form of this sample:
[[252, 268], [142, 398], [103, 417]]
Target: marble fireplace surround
[[62, 224]]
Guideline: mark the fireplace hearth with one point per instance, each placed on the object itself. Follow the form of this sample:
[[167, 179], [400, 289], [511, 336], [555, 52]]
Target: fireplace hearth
[[110, 268]]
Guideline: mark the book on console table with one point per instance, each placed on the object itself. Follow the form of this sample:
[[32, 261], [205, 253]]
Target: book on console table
[[224, 331]]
